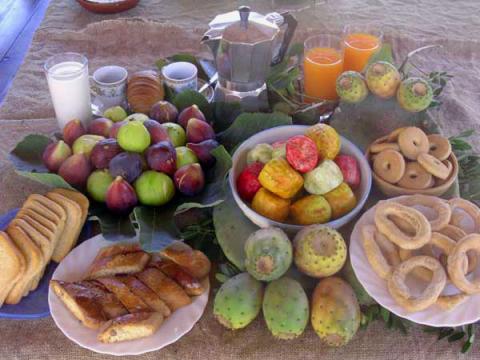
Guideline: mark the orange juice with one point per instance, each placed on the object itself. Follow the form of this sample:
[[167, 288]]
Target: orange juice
[[321, 68], [358, 49]]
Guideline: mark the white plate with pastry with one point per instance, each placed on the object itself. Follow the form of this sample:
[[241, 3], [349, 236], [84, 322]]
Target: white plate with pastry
[[125, 294], [377, 284]]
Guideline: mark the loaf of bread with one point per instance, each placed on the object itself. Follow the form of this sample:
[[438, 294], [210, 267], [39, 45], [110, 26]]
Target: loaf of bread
[[128, 263], [192, 261], [130, 327]]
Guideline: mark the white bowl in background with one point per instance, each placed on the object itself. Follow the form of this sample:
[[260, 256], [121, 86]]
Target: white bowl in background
[[282, 133]]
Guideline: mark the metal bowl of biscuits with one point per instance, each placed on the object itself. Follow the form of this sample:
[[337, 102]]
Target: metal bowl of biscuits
[[407, 161]]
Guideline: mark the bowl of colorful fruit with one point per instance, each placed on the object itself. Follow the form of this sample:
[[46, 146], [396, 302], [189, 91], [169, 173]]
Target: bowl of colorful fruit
[[293, 176]]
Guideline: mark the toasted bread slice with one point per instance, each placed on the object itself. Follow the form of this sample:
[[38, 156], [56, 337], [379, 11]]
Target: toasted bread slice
[[130, 327], [46, 207], [81, 302], [12, 265], [129, 263], [73, 225], [146, 294], [34, 262], [192, 286], [52, 236], [78, 197], [192, 261], [132, 302], [111, 306], [45, 246], [166, 289]]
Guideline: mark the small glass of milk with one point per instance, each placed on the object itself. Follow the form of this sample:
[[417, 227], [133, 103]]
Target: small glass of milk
[[69, 84]]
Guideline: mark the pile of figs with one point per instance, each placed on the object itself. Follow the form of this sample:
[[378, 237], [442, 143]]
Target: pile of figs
[[124, 160]]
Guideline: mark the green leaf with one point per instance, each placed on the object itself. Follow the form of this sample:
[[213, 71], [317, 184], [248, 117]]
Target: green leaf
[[225, 114], [27, 154], [295, 49], [48, 179], [248, 124], [191, 97], [444, 332], [385, 314], [221, 278], [384, 54], [232, 228], [456, 336], [113, 227]]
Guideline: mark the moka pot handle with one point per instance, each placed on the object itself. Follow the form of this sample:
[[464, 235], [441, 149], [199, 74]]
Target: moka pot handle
[[291, 23]]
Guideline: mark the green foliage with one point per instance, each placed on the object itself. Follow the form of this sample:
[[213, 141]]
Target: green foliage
[[191, 97], [113, 227], [376, 312], [465, 333], [27, 154]]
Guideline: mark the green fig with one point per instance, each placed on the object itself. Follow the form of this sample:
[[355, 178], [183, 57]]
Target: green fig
[[98, 183]]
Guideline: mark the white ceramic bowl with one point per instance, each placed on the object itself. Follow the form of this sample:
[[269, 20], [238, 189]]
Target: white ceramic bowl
[[281, 133]]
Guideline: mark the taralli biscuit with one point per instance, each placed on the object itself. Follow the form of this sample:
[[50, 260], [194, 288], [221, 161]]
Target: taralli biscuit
[[438, 181], [469, 208], [389, 249], [439, 147], [374, 254], [415, 177], [453, 232], [393, 136], [413, 142], [415, 218], [441, 208], [455, 264], [402, 294], [433, 166], [448, 302], [389, 165], [379, 147], [419, 272]]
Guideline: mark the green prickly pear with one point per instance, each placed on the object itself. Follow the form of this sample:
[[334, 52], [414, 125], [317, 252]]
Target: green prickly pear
[[414, 94], [268, 254], [238, 301], [382, 79], [285, 308], [320, 251], [351, 87], [335, 313]]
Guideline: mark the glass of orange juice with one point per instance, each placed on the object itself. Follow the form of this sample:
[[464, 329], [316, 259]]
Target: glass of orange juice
[[360, 42], [323, 63]]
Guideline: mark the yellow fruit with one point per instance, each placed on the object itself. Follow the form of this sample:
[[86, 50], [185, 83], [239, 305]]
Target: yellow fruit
[[280, 178], [311, 209], [327, 140], [270, 205], [341, 199]]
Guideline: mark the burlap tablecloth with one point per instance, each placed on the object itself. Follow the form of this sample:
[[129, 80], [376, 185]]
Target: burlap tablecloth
[[157, 28]]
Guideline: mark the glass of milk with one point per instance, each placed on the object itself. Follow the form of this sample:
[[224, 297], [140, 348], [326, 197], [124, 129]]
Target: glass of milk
[[69, 84]]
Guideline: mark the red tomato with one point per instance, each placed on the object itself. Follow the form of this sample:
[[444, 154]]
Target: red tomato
[[350, 170], [302, 153], [247, 181]]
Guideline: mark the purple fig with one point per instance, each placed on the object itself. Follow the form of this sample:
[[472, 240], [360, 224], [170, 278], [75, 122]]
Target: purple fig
[[162, 157], [189, 179], [202, 150], [76, 170], [120, 197], [103, 152], [55, 154], [127, 165], [115, 127], [198, 131], [163, 111], [72, 131], [157, 131], [189, 113], [100, 126]]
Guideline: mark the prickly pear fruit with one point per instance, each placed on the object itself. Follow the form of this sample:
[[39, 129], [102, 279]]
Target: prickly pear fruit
[[247, 181], [238, 301], [260, 153], [279, 149], [382, 79], [327, 140], [351, 87], [414, 94], [335, 313], [311, 209], [285, 308], [268, 254], [320, 251]]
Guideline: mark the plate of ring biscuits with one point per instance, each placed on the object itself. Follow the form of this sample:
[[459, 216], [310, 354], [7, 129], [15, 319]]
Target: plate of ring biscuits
[[418, 256], [33, 240], [120, 300], [408, 161]]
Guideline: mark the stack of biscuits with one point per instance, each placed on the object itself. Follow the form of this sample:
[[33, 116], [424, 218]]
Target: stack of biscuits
[[128, 293], [144, 89], [46, 228]]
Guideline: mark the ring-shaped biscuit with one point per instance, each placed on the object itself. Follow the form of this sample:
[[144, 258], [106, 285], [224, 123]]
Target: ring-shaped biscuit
[[413, 142], [389, 249], [448, 302], [456, 260], [439, 206], [374, 254], [468, 207], [393, 233], [433, 166], [389, 165], [419, 272], [415, 177], [379, 147], [440, 147], [393, 136], [402, 294], [453, 232]]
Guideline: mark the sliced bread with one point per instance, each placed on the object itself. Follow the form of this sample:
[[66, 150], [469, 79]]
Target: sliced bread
[[12, 265], [128, 263], [132, 302], [130, 327]]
